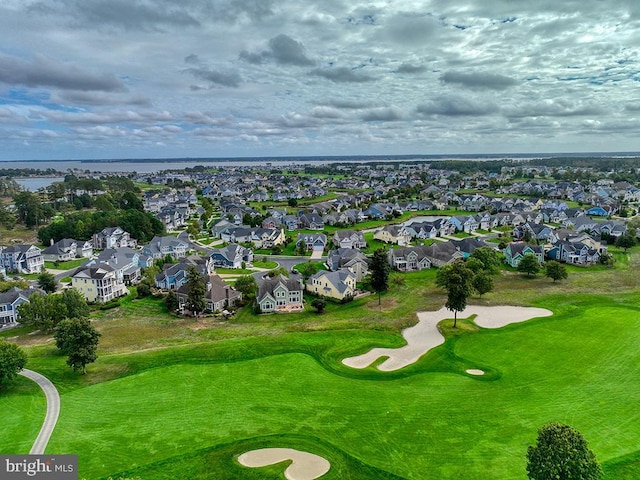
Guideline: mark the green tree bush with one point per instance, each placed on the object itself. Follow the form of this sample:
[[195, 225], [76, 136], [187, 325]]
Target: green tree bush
[[12, 361], [561, 453]]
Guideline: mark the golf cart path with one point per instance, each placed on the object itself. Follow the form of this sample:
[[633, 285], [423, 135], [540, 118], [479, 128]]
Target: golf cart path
[[53, 410], [425, 335]]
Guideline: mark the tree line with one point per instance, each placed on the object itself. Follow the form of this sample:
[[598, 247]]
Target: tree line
[[142, 226]]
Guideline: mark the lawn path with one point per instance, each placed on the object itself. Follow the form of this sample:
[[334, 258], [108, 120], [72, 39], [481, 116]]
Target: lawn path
[[53, 410]]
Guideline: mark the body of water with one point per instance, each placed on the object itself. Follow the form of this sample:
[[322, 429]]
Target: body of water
[[424, 218], [139, 167], [35, 183]]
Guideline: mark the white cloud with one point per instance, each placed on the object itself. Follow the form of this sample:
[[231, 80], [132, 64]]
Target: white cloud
[[258, 77]]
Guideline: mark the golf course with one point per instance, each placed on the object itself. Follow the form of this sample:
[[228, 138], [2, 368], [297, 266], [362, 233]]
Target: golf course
[[179, 398]]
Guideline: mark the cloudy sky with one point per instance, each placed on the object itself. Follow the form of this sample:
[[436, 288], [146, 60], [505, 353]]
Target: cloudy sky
[[218, 78]]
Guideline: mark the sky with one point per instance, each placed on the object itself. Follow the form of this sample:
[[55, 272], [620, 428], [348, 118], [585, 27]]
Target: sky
[[99, 79]]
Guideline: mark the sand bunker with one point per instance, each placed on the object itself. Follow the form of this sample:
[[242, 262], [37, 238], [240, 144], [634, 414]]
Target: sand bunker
[[425, 335], [474, 371], [304, 466]]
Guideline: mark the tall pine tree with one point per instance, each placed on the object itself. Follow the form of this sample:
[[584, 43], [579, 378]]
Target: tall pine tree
[[379, 267], [196, 288]]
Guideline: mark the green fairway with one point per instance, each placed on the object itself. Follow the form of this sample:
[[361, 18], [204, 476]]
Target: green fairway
[[430, 421], [23, 406], [176, 398]]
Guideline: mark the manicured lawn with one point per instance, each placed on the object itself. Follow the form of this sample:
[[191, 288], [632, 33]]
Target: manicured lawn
[[373, 244], [173, 398], [66, 265], [265, 264], [429, 422]]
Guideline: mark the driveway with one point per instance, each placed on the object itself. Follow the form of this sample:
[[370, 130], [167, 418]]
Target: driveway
[[53, 410], [316, 255]]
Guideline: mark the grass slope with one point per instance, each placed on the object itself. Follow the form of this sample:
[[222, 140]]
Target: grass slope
[[168, 397]]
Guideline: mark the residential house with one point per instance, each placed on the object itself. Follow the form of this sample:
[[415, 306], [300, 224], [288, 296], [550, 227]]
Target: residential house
[[113, 237], [485, 221], [611, 228], [219, 295], [291, 222], [340, 284], [315, 242], [174, 275], [67, 249], [126, 262], [422, 230], [442, 253], [536, 231], [280, 294], [351, 259], [231, 256], [575, 253], [516, 252], [98, 283], [267, 237], [173, 217], [220, 226], [311, 221], [468, 245], [22, 259], [467, 224], [272, 222], [11, 300], [349, 239], [396, 234], [159, 247], [409, 259], [378, 210]]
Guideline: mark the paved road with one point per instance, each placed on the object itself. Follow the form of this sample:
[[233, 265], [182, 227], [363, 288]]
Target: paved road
[[53, 410], [184, 236]]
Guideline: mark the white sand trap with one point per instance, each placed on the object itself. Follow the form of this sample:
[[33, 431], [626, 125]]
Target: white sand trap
[[304, 466], [474, 371], [425, 335]]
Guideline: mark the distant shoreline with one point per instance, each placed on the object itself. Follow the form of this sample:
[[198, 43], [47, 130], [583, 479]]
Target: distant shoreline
[[351, 158]]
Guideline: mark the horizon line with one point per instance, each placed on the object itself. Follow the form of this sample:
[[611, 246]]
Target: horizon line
[[434, 156]]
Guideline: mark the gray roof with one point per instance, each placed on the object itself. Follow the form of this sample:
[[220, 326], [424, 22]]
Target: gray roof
[[14, 293], [337, 278], [267, 285]]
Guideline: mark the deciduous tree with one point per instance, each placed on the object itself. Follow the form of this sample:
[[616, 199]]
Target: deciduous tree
[[319, 304], [171, 301], [555, 270], [489, 257], [528, 265], [301, 248], [456, 279], [482, 282], [47, 282], [561, 453], [625, 241], [308, 269], [12, 360], [45, 312], [75, 304], [247, 285], [78, 339]]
